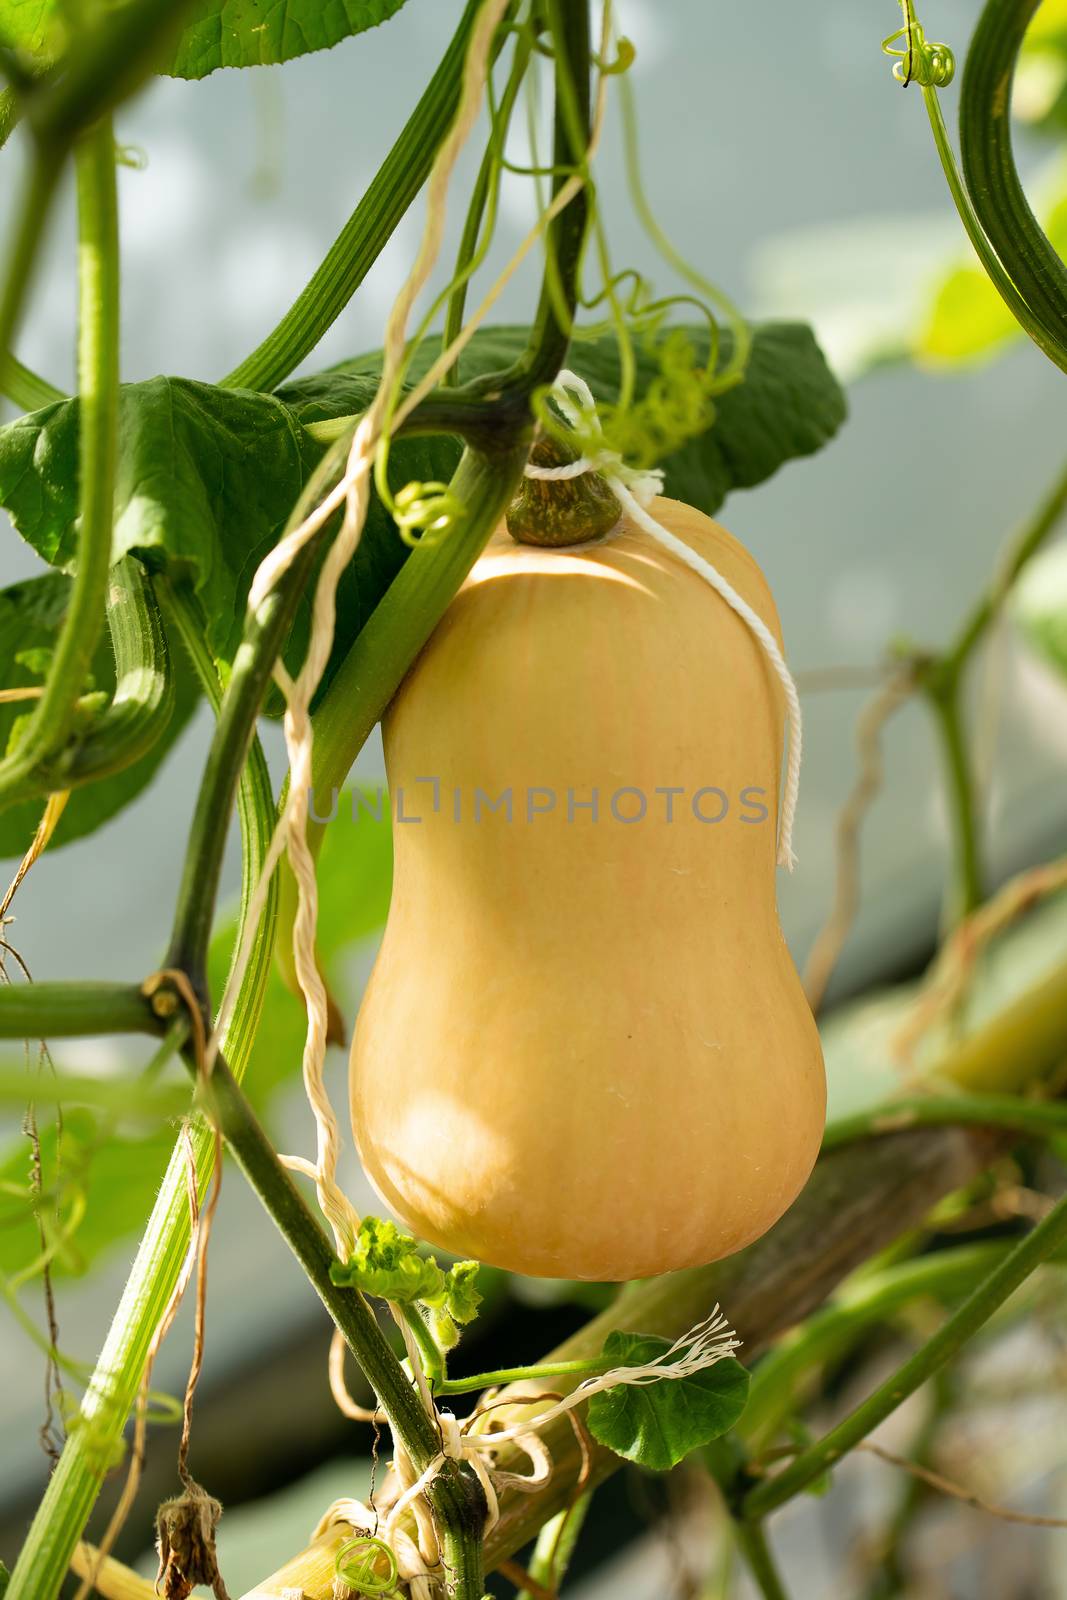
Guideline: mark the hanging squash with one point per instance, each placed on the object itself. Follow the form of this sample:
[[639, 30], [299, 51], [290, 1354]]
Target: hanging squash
[[584, 1051]]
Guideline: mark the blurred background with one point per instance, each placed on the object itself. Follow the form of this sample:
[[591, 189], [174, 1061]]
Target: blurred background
[[784, 161]]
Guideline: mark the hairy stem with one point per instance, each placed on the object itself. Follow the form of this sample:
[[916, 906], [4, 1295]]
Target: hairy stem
[[1047, 339], [264, 636], [74, 1010], [112, 1391], [1048, 1236], [367, 230], [989, 162]]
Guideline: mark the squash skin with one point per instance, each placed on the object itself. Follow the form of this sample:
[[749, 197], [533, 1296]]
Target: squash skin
[[584, 1051]]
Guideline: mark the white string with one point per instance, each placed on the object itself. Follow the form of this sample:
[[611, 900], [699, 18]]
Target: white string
[[354, 492], [634, 490], [711, 1341]]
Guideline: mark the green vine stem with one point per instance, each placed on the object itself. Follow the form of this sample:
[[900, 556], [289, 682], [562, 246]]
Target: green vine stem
[[942, 691], [752, 1542], [1046, 1238], [941, 680], [1029, 539], [72, 1491], [264, 635], [98, 382], [1040, 1118], [555, 1547], [31, 213], [468, 244], [143, 700], [989, 162], [73, 1010], [367, 230], [874, 1297]]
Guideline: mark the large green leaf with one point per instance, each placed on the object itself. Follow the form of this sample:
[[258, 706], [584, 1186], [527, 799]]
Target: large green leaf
[[259, 33], [659, 1424], [206, 479], [118, 1167], [207, 476], [220, 33], [789, 405], [30, 615]]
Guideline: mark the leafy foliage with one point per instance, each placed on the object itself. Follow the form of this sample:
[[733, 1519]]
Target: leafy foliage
[[789, 405], [220, 33], [30, 616], [207, 476], [656, 1425], [257, 33], [387, 1262]]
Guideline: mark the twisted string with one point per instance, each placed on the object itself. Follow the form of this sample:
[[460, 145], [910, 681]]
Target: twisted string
[[353, 493], [634, 490], [475, 1441]]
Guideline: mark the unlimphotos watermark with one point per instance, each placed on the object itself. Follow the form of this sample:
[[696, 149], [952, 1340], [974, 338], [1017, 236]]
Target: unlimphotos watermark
[[527, 804]]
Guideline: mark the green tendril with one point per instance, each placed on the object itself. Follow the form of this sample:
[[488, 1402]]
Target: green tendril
[[932, 66], [360, 1571], [426, 513], [625, 56]]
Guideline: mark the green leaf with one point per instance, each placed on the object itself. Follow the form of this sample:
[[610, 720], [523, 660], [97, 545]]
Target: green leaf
[[33, 26], [462, 1297], [386, 1262], [1039, 606], [220, 33], [206, 476], [258, 33], [658, 1424], [30, 615], [789, 405]]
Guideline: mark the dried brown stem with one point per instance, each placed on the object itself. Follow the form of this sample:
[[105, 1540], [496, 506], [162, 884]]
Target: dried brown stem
[[956, 1491]]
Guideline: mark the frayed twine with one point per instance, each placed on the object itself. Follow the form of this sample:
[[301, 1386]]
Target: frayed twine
[[475, 1441]]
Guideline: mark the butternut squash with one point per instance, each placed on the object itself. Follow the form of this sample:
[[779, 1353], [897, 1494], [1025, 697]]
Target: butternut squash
[[584, 1051]]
